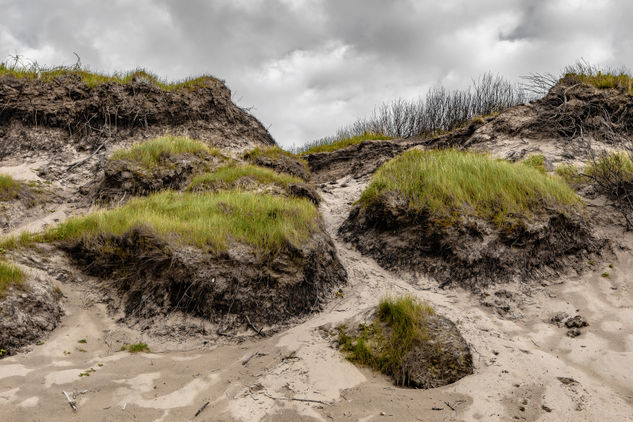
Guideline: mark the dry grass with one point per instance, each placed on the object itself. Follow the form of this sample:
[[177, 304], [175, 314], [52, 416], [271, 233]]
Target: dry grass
[[94, 79]]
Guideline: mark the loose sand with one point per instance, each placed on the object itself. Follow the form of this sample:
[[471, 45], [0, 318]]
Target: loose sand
[[526, 368]]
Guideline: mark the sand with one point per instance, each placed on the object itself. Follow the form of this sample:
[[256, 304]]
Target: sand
[[526, 368]]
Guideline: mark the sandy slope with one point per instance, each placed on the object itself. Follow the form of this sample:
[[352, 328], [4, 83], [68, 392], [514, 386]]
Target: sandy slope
[[518, 361]]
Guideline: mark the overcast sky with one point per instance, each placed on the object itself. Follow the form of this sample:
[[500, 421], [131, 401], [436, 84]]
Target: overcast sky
[[310, 66]]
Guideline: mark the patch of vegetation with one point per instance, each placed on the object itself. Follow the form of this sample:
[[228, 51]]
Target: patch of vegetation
[[94, 79], [536, 161], [604, 80], [448, 184], [83, 341], [149, 154], [9, 188], [382, 345], [571, 174], [10, 275], [333, 144], [615, 165], [228, 175], [136, 348], [208, 221], [605, 274], [86, 373]]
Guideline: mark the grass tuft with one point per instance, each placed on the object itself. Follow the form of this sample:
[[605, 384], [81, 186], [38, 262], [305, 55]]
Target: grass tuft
[[228, 175], [333, 144], [399, 324], [207, 221], [604, 80], [571, 174], [10, 275], [136, 348], [448, 184], [95, 79], [9, 188], [536, 161], [150, 153]]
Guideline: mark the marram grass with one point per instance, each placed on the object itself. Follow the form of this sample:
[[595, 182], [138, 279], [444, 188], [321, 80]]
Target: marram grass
[[228, 175], [329, 145], [207, 221], [404, 316], [9, 187], [448, 184], [10, 275], [95, 79], [149, 153]]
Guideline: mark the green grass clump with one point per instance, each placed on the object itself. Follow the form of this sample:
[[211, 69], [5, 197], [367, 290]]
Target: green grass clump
[[333, 144], [207, 221], [228, 175], [604, 80], [571, 174], [612, 166], [9, 188], [399, 324], [136, 348], [536, 161], [10, 275], [150, 153], [448, 184], [95, 79]]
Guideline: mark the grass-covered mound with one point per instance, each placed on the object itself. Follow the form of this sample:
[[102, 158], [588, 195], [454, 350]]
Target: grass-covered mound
[[469, 218], [406, 340], [231, 257], [253, 178], [279, 160], [448, 185], [163, 163], [207, 221], [603, 80], [333, 144]]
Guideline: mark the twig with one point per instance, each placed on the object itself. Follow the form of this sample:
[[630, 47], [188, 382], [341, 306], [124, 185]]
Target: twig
[[250, 357], [204, 406], [449, 405], [250, 324], [72, 166], [296, 399], [70, 402]]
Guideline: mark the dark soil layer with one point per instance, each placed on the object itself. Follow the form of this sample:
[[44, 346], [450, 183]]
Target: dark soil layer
[[38, 115], [442, 357], [357, 160], [572, 113], [241, 286], [280, 162], [124, 178], [471, 253], [27, 314]]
